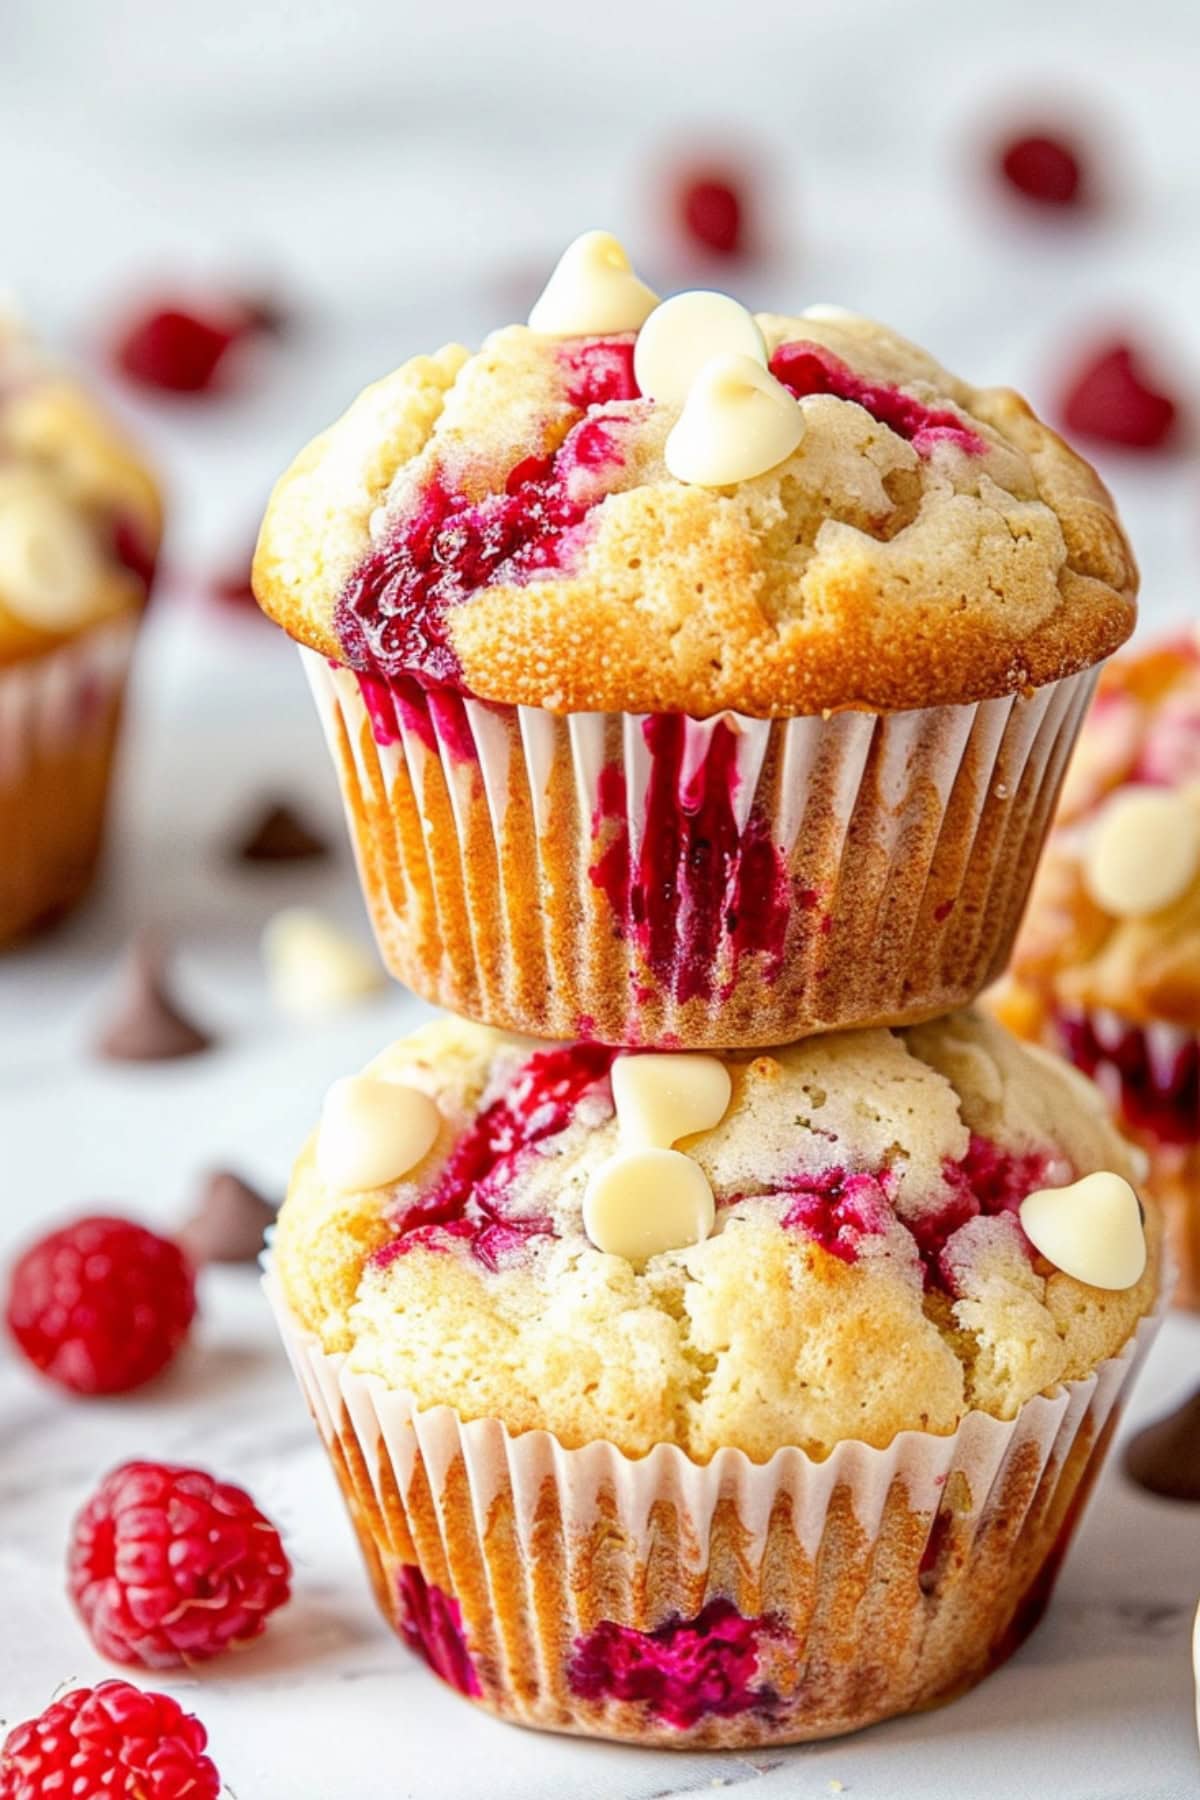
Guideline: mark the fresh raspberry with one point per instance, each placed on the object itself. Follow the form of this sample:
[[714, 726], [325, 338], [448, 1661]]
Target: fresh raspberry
[[1044, 168], [101, 1305], [109, 1741], [181, 350], [1111, 398], [169, 1566], [712, 211]]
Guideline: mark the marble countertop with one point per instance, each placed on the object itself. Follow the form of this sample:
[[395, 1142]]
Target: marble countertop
[[393, 178]]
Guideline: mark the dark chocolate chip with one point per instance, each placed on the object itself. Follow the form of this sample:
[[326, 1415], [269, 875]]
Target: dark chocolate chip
[[280, 835], [229, 1221], [1165, 1457], [147, 1024]]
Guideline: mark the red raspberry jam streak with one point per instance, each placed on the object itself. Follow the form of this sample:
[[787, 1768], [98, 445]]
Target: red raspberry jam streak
[[430, 1622], [469, 1203], [838, 1210], [392, 617], [1156, 1089], [600, 371], [698, 887], [436, 716], [686, 1669], [807, 368]]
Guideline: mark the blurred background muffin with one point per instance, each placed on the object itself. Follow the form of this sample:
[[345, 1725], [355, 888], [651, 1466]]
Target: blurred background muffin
[[1107, 966], [80, 522]]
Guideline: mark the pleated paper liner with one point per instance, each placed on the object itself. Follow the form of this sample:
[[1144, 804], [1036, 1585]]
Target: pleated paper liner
[[59, 719], [665, 881], [660, 1601]]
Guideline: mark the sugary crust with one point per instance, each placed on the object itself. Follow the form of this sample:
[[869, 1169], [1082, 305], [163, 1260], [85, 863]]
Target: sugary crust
[[758, 1337], [1144, 728], [57, 443], [859, 572]]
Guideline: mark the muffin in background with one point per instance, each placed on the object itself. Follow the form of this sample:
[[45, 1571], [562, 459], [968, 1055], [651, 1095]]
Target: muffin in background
[[718, 757], [808, 1461], [80, 522], [1107, 965]]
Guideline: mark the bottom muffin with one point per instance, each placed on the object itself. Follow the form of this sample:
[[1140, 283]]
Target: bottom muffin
[[800, 1447]]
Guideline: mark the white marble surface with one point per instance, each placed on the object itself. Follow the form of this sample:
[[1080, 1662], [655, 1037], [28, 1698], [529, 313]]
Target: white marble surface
[[405, 174]]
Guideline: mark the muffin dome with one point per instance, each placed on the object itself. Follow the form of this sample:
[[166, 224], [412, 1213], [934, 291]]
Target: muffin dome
[[865, 1275], [80, 518], [505, 523]]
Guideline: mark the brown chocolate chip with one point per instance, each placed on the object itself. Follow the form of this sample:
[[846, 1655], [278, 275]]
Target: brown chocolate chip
[[147, 1024], [280, 835], [1165, 1457], [229, 1221]]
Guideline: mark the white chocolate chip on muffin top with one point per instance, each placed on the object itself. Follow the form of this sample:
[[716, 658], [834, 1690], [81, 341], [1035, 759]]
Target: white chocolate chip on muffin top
[[863, 1269]]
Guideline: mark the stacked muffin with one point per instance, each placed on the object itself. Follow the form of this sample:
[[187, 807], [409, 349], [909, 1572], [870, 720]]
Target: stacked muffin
[[699, 683], [80, 523]]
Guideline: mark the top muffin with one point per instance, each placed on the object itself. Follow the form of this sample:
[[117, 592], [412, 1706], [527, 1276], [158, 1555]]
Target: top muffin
[[506, 523], [80, 517]]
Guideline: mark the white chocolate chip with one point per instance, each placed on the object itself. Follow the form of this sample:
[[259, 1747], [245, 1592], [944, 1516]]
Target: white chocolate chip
[[684, 333], [825, 310], [660, 1099], [737, 422], [593, 290], [51, 572], [1143, 852], [1091, 1230], [642, 1202], [373, 1132], [312, 967]]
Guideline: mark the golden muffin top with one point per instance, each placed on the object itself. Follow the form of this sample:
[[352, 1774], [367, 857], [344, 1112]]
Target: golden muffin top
[[814, 516]]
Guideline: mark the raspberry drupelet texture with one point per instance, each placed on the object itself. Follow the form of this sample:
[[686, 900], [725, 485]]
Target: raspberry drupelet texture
[[101, 1305], [169, 1566], [113, 1741], [867, 1272], [504, 525]]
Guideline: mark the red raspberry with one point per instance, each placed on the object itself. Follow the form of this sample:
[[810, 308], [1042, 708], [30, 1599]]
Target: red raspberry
[[1044, 168], [169, 1566], [180, 350], [110, 1740], [102, 1305], [712, 212], [1111, 398]]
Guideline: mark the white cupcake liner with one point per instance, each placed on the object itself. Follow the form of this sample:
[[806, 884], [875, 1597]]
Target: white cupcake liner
[[882, 1580], [897, 850], [59, 715], [53, 703]]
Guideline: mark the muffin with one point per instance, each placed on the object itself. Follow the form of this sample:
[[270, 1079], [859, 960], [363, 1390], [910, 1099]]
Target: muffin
[[1107, 966], [79, 532], [712, 718], [714, 1401]]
